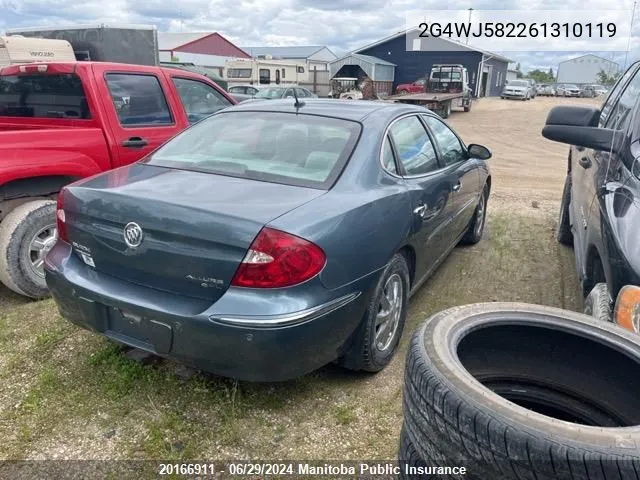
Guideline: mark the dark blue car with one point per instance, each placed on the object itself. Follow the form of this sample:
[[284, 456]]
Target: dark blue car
[[270, 239]]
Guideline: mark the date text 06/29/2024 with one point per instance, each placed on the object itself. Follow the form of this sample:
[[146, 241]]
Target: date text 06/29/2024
[[226, 470]]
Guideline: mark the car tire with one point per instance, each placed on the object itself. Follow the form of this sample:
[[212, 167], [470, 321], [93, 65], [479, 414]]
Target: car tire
[[475, 376], [599, 304], [476, 227], [403, 92], [371, 351], [502, 97], [564, 234], [26, 235]]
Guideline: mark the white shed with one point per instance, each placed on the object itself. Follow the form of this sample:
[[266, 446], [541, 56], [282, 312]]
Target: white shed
[[584, 70]]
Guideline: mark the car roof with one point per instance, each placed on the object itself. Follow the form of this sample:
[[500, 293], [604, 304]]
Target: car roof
[[356, 110]]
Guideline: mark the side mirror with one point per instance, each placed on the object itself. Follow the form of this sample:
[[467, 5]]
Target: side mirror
[[479, 151], [579, 126]]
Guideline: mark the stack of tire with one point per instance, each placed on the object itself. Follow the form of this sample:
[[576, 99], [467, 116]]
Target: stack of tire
[[516, 391]]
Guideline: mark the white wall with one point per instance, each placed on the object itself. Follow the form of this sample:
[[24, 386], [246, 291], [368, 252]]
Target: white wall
[[584, 70]]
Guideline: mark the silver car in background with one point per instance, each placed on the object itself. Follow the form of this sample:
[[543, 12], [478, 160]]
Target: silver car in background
[[518, 89], [568, 90], [547, 90]]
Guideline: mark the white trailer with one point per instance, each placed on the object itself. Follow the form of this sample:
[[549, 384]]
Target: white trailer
[[264, 72], [17, 49]]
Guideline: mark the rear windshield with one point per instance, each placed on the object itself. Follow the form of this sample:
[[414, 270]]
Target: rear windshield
[[302, 150], [43, 96], [271, 93]]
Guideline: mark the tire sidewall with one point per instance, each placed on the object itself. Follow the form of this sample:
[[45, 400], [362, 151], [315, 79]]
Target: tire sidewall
[[375, 359], [437, 340], [14, 247]]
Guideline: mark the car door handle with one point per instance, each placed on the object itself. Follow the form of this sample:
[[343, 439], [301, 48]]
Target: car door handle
[[135, 142], [456, 187], [421, 211], [585, 162]]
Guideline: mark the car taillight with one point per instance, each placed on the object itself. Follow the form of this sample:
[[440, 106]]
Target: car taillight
[[277, 259], [61, 219]]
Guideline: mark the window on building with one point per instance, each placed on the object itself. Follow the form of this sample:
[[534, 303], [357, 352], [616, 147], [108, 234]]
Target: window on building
[[283, 74], [300, 69]]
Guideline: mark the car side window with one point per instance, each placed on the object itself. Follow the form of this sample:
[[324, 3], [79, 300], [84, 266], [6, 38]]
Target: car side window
[[288, 93], [199, 99], [138, 99], [611, 99], [451, 149], [620, 114], [301, 92], [388, 157], [416, 152]]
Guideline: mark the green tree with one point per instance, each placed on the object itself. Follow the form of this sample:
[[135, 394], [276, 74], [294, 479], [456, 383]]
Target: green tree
[[552, 77], [541, 77], [606, 79]]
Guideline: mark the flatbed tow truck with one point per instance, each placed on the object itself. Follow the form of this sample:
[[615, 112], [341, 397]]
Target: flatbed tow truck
[[447, 87]]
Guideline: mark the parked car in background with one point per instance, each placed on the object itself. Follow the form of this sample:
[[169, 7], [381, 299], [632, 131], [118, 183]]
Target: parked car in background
[[347, 209], [517, 89], [593, 91], [546, 89], [60, 122], [286, 91], [244, 92], [416, 87], [534, 86], [568, 90], [345, 88], [600, 210]]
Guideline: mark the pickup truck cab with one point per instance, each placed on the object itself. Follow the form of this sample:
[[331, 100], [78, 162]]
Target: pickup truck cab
[[60, 122], [600, 209]]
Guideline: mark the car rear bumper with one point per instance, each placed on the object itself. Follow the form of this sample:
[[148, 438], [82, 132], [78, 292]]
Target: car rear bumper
[[267, 348]]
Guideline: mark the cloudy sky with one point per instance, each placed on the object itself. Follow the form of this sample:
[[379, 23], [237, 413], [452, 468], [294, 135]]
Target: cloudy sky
[[342, 25]]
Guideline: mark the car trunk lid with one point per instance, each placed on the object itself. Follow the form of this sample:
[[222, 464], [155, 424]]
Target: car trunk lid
[[196, 227]]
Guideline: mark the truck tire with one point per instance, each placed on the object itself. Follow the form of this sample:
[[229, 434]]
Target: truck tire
[[445, 112], [599, 304], [27, 233], [564, 234], [468, 107], [514, 391]]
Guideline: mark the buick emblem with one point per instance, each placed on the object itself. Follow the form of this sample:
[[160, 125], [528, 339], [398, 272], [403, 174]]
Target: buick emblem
[[133, 235]]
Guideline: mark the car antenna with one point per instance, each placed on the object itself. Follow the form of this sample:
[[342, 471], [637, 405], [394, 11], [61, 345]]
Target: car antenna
[[298, 103]]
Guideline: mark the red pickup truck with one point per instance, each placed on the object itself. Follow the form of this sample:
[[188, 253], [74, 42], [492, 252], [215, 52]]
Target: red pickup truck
[[60, 122]]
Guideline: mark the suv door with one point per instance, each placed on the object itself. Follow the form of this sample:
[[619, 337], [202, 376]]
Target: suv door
[[591, 172], [409, 152], [460, 173]]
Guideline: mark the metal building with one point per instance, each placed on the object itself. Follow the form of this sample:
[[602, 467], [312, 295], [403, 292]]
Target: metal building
[[584, 70], [356, 65], [406, 50]]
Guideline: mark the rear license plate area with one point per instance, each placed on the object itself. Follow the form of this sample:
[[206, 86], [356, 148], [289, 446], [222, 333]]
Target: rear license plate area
[[139, 331]]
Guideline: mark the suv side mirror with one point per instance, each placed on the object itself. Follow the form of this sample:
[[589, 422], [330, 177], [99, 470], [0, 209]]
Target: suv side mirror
[[579, 126], [479, 151]]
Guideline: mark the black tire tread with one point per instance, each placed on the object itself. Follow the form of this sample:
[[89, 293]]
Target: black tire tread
[[470, 237], [489, 449]]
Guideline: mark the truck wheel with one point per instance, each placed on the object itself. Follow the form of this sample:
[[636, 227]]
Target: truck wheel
[[564, 234], [598, 303], [468, 107], [446, 110], [520, 391], [26, 235]]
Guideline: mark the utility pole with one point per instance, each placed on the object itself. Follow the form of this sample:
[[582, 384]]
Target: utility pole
[[471, 10], [633, 13]]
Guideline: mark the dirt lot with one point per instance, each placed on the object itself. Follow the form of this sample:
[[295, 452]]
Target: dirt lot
[[67, 393]]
